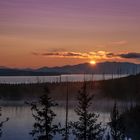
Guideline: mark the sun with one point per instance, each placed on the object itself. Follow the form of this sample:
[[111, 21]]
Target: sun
[[93, 62]]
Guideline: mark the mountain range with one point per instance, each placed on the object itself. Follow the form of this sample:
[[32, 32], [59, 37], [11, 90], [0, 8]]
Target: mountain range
[[99, 68]]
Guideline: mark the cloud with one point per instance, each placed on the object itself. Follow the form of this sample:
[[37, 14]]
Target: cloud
[[118, 43], [51, 54], [95, 55], [131, 55], [73, 54], [65, 54], [110, 55], [56, 49]]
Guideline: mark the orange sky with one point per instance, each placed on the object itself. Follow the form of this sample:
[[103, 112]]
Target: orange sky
[[30, 29]]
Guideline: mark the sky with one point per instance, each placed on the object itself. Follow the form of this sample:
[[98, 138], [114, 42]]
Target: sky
[[36, 33]]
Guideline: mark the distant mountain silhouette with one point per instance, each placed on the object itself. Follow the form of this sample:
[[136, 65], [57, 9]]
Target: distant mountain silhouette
[[24, 72], [99, 68]]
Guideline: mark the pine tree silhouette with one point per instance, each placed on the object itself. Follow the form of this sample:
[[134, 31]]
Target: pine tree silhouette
[[86, 128], [44, 129], [2, 123], [116, 124]]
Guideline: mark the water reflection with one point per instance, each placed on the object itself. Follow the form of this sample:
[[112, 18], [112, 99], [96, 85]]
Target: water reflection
[[61, 78], [21, 121]]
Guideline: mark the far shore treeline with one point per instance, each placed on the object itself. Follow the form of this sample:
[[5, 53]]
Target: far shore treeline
[[127, 88]]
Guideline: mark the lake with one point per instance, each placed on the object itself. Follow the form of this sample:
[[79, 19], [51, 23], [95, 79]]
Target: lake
[[61, 78], [21, 121]]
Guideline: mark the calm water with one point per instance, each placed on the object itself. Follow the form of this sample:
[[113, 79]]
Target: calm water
[[62, 78], [21, 121]]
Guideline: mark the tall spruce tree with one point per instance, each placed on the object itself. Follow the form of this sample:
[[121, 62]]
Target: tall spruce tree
[[44, 129], [86, 128], [2, 122], [116, 124]]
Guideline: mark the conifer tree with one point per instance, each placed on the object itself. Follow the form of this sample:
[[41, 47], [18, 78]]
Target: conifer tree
[[116, 124], [86, 128], [44, 129], [65, 131], [2, 122]]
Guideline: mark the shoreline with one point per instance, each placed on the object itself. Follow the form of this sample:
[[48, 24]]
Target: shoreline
[[121, 89]]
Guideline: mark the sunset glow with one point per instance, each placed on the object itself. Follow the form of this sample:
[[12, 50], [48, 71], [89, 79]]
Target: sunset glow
[[75, 50], [49, 33], [93, 62]]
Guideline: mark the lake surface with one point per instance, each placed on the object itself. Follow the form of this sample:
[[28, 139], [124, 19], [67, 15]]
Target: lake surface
[[61, 78], [21, 121]]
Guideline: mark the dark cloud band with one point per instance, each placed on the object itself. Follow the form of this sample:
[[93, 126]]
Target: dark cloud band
[[131, 55], [92, 55]]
